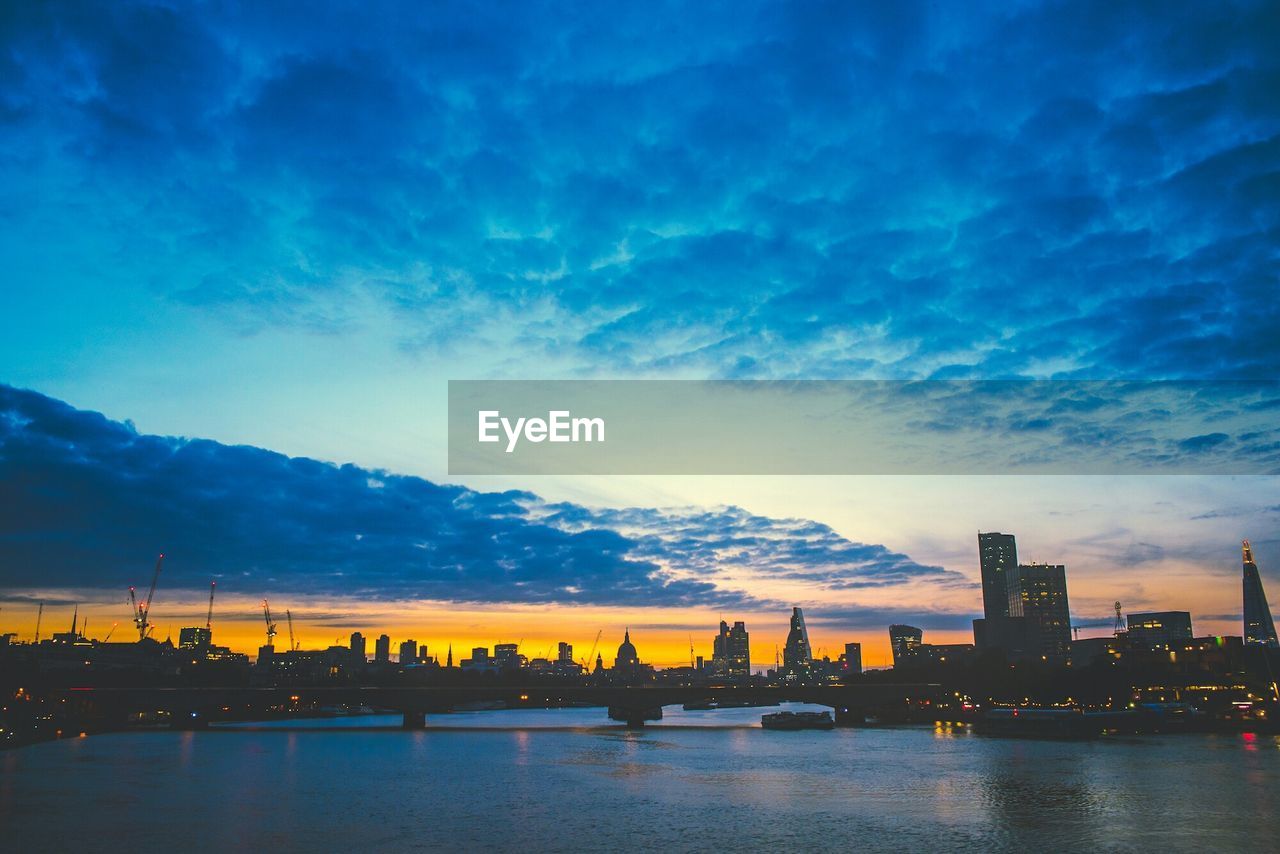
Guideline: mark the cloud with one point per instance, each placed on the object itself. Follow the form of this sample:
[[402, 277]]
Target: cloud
[[811, 190], [91, 502]]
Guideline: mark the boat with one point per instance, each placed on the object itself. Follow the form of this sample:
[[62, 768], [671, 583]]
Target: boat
[[1037, 723], [798, 720]]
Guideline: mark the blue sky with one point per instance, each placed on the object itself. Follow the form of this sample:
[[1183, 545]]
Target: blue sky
[[288, 227]]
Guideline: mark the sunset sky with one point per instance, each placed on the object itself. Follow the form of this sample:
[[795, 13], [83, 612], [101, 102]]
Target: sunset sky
[[281, 241]]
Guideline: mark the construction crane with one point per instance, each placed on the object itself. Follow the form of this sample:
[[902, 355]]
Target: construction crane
[[39, 616], [271, 627], [110, 633], [288, 616], [594, 647], [691, 657], [208, 621], [143, 611]]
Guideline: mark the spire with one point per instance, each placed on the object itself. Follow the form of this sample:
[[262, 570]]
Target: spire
[[1259, 628], [626, 636], [75, 619], [1248, 552]]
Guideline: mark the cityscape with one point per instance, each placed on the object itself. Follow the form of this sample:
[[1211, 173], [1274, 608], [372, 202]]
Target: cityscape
[[1023, 656]]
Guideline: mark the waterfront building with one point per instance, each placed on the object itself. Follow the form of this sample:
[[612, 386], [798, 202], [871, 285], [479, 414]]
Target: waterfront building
[[382, 649], [1159, 629], [358, 648], [1259, 628]]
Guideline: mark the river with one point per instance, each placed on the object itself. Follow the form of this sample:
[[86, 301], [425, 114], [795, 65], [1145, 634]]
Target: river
[[564, 780]]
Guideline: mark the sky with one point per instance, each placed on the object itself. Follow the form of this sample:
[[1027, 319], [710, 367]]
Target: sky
[[278, 232]]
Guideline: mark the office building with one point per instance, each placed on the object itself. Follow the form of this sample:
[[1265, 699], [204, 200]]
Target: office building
[[564, 653], [1259, 628], [382, 649], [731, 650], [358, 647], [797, 656], [998, 558], [196, 637], [1159, 629], [853, 658], [408, 652], [904, 641], [1038, 592]]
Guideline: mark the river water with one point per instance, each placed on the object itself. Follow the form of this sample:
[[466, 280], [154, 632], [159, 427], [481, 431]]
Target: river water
[[564, 780]]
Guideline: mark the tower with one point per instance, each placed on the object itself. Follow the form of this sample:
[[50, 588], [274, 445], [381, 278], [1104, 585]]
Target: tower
[[797, 657], [998, 557], [1259, 629]]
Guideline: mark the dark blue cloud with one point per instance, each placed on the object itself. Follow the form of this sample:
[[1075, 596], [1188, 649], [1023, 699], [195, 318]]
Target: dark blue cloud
[[89, 501], [815, 189]]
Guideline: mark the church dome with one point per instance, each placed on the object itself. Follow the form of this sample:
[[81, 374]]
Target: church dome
[[627, 652]]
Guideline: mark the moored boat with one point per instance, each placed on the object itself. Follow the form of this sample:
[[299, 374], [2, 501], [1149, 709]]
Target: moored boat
[[798, 720]]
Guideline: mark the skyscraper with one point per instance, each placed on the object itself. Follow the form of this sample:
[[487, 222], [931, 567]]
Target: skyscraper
[[382, 649], [1259, 629], [853, 658], [797, 657], [1038, 591], [731, 650], [564, 653], [998, 557], [357, 647], [408, 651], [904, 641]]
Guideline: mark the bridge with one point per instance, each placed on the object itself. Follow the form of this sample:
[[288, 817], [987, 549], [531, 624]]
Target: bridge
[[194, 708]]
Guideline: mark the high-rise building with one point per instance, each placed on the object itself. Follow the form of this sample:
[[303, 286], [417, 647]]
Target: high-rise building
[[731, 650], [1038, 591], [905, 641], [1159, 629], [408, 651], [564, 653], [853, 658], [998, 557], [797, 656], [506, 654], [358, 647], [1259, 628], [196, 637], [382, 649]]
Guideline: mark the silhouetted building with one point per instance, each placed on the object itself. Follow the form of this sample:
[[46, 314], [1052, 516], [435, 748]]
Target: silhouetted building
[[1259, 629], [382, 649], [852, 658], [195, 637], [1016, 637], [408, 651], [998, 557], [1038, 591], [564, 653], [627, 659], [904, 641], [1159, 629], [358, 648], [731, 650], [506, 655], [797, 656]]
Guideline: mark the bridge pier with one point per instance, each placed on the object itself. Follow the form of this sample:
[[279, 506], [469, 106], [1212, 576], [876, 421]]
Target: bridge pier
[[635, 716], [850, 716], [414, 719]]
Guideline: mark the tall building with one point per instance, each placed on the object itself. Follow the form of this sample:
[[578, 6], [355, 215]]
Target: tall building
[[797, 656], [998, 557], [853, 658], [196, 637], [358, 647], [564, 653], [1159, 629], [408, 651], [1038, 591], [905, 641], [731, 650], [382, 649], [1259, 629]]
